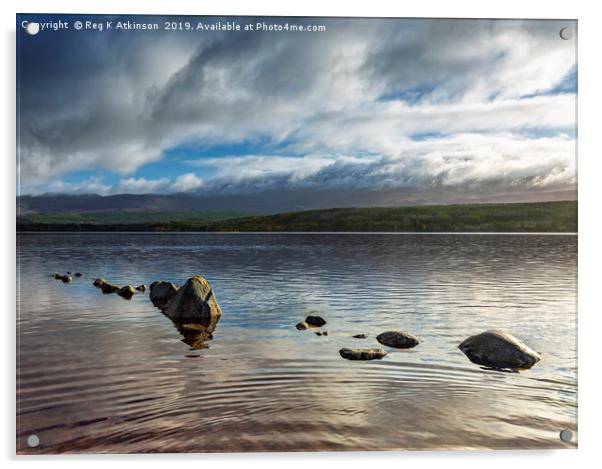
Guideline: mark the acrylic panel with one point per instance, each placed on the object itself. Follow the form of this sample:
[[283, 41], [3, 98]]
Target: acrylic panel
[[295, 234]]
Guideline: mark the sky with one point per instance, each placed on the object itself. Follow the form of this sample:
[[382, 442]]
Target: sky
[[384, 111]]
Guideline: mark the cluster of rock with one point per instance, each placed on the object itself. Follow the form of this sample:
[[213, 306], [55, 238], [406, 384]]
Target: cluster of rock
[[126, 292], [394, 339], [67, 278], [192, 308], [491, 349], [195, 312]]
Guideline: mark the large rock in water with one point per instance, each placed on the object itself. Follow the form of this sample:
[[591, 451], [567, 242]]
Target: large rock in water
[[194, 302], [499, 350], [362, 353], [161, 293], [397, 339]]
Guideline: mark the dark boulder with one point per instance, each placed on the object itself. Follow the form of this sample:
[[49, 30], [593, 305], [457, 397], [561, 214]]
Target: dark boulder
[[161, 293], [362, 353], [195, 301], [315, 321], [126, 292], [57, 276], [397, 339], [499, 350]]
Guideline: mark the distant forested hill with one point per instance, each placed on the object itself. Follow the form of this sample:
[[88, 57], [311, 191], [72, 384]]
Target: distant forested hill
[[520, 217]]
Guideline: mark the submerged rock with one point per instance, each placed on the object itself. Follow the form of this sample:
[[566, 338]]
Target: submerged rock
[[78, 274], [362, 353], [141, 288], [57, 276], [397, 339], [108, 288], [66, 278], [315, 321], [499, 350], [322, 333], [98, 282], [194, 301], [360, 336], [161, 293], [126, 292], [301, 326]]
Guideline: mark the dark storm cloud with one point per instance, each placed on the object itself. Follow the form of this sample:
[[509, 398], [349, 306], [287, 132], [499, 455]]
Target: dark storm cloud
[[345, 106]]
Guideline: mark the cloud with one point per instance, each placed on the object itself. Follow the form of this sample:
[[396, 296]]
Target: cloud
[[186, 183], [140, 185], [91, 185], [369, 103], [459, 161]]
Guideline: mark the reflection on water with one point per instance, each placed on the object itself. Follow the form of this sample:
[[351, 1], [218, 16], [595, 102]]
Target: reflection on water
[[196, 335], [96, 373]]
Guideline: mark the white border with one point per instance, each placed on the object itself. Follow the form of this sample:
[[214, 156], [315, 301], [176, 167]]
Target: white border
[[590, 128]]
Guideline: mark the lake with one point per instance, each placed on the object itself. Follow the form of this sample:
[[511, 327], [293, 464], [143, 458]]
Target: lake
[[97, 373]]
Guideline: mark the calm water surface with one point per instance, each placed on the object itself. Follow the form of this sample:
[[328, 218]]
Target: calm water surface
[[97, 373]]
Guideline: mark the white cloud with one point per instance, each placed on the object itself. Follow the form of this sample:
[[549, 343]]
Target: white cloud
[[91, 185], [186, 183], [140, 185]]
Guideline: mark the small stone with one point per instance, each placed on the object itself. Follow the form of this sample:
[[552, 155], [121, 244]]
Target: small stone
[[78, 274], [66, 278], [362, 353], [301, 326], [57, 276], [126, 292], [360, 336], [98, 282], [397, 339], [141, 288], [108, 288], [315, 321], [321, 333]]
